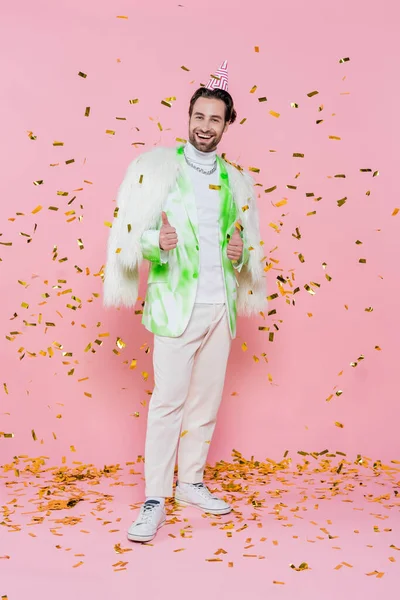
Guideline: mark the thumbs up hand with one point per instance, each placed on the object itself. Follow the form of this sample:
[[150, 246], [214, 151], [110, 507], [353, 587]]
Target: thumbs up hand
[[168, 237], [235, 247]]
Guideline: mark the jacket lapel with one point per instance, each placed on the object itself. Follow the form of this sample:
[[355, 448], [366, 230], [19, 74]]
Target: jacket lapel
[[187, 193], [228, 212]]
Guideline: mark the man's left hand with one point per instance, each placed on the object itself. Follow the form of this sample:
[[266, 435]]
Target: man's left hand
[[235, 247]]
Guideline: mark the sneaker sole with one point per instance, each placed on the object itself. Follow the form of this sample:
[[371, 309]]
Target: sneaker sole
[[144, 538], [222, 511]]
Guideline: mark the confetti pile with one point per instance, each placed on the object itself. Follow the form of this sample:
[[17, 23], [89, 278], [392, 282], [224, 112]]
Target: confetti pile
[[325, 506]]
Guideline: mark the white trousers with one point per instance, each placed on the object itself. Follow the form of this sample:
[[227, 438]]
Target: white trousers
[[189, 373]]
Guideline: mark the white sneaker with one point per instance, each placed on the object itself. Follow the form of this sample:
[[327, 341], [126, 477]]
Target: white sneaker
[[199, 496], [151, 518]]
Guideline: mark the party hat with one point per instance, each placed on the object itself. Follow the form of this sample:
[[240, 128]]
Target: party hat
[[219, 79]]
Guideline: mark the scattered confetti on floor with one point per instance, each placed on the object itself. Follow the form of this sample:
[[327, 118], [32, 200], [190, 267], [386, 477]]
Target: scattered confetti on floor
[[318, 529]]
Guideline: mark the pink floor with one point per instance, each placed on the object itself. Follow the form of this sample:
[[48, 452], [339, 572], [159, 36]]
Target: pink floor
[[345, 526]]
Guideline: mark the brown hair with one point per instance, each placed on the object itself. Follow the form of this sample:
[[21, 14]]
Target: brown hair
[[203, 92]]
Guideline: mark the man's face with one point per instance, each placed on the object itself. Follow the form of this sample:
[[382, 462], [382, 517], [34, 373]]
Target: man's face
[[207, 124]]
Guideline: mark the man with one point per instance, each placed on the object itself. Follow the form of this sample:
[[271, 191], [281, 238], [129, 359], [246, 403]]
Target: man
[[194, 217]]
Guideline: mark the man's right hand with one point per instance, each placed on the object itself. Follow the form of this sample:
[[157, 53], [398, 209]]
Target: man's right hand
[[168, 237]]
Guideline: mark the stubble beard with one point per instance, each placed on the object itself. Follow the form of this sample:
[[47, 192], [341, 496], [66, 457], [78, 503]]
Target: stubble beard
[[204, 146]]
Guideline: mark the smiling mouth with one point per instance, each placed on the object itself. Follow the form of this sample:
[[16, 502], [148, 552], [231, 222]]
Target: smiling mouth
[[203, 137]]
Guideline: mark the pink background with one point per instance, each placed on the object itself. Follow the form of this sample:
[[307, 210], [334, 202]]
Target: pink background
[[280, 403]]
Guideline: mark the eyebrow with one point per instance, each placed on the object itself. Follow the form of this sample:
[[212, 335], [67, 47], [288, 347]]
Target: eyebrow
[[212, 116]]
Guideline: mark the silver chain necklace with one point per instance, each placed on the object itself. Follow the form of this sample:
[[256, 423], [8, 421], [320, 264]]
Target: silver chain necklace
[[199, 169]]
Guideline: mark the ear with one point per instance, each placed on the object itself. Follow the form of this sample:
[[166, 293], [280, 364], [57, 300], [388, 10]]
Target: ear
[[226, 126]]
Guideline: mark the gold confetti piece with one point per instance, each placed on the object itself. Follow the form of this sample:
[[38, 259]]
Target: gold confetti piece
[[166, 103], [87, 111], [181, 140], [230, 564], [159, 126], [363, 260], [214, 560], [395, 212], [244, 346], [279, 582], [254, 169], [298, 155], [78, 564], [341, 201], [271, 189], [84, 75], [309, 214], [302, 567], [185, 68], [256, 49], [121, 344], [34, 435], [121, 17], [343, 60], [294, 105], [243, 121], [180, 550], [253, 89], [37, 209], [214, 187], [376, 173], [38, 182], [184, 433], [334, 137], [311, 94], [274, 114], [339, 424], [110, 131], [141, 179], [58, 143], [134, 101], [24, 305]]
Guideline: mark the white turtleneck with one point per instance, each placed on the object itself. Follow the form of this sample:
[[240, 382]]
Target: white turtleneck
[[211, 287]]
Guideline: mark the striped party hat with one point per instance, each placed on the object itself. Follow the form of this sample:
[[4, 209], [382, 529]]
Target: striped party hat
[[219, 79]]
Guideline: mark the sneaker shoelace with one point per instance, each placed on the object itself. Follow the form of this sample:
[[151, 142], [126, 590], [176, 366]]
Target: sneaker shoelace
[[147, 511], [204, 491]]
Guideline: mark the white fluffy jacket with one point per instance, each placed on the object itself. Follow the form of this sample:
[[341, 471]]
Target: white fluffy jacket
[[148, 180]]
